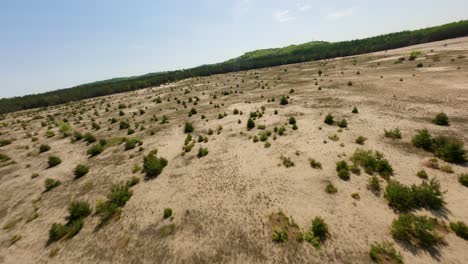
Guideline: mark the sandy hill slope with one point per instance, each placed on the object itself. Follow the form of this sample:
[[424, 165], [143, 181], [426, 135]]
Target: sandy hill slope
[[241, 195]]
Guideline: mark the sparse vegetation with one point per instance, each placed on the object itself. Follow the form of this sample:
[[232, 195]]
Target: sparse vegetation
[[460, 229], [385, 253], [393, 133], [54, 161], [153, 166], [447, 148], [404, 198], [372, 162], [419, 231], [80, 171], [51, 184], [441, 119]]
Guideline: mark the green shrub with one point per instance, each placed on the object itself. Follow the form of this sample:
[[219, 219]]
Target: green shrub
[[90, 138], [360, 140], [343, 123], [283, 101], [202, 152], [95, 150], [188, 128], [463, 179], [372, 162], [344, 175], [167, 213], [355, 110], [54, 161], [385, 253], [287, 162], [44, 148], [331, 189], [328, 119], [393, 133], [404, 198], [4, 158], [422, 174], [292, 120], [422, 140], [80, 171], [124, 125], [51, 184], [132, 143], [56, 232], [153, 166], [78, 210], [320, 229], [133, 181], [279, 235], [460, 229], [341, 165], [120, 194], [418, 231], [74, 227], [250, 124], [374, 185], [4, 142], [441, 119], [315, 164]]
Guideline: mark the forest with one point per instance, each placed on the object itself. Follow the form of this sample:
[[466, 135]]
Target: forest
[[251, 60]]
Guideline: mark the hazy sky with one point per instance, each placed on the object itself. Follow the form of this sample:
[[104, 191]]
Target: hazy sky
[[51, 44]]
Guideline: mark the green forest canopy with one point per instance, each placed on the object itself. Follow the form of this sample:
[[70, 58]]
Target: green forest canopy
[[316, 50]]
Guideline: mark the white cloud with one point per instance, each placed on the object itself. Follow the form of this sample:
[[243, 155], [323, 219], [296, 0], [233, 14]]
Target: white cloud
[[283, 16], [339, 14], [303, 6]]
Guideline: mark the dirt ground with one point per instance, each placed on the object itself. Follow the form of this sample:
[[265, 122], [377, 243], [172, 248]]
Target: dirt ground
[[222, 202]]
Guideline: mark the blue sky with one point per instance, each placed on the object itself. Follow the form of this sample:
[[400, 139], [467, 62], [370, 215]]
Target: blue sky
[[52, 44]]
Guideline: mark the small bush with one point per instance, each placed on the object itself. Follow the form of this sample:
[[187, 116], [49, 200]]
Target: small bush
[[4, 142], [315, 164], [44, 148], [54, 161], [132, 143], [328, 119], [78, 210], [448, 149], [342, 165], [90, 138], [167, 213], [344, 175], [320, 229], [372, 162], [292, 120], [374, 185], [284, 101], [80, 171], [441, 119], [56, 232], [360, 140], [404, 198], [423, 140], [463, 179], [153, 166], [343, 123], [124, 125], [422, 174], [355, 110], [419, 231], [393, 133], [331, 189], [51, 184], [95, 150], [250, 124], [287, 162], [460, 229], [188, 128], [202, 152], [385, 253]]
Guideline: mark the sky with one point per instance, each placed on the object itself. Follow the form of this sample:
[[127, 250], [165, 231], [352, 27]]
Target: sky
[[52, 44]]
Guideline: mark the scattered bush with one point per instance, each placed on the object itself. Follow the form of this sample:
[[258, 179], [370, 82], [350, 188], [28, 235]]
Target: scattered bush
[[250, 124], [80, 171], [374, 185], [372, 162], [315, 164], [44, 148], [124, 125], [360, 140], [460, 229], [153, 166], [4, 142], [188, 128], [320, 229], [132, 143], [418, 231], [78, 210], [441, 119], [355, 110], [167, 213], [54, 161], [88, 137], [56, 232], [328, 119], [202, 152], [331, 189], [292, 120], [287, 162], [448, 149], [95, 150], [393, 133], [423, 140], [404, 198], [344, 175], [51, 184], [463, 179], [343, 123], [422, 174], [385, 253], [283, 101]]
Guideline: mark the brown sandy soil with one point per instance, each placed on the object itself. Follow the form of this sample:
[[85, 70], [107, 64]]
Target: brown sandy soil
[[222, 202]]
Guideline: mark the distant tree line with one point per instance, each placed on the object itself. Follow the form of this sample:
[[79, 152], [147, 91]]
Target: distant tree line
[[252, 60]]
